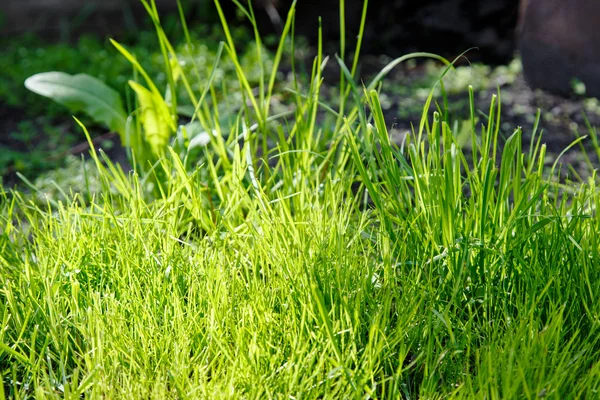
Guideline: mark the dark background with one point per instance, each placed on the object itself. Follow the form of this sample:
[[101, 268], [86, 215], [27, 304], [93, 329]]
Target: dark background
[[394, 27]]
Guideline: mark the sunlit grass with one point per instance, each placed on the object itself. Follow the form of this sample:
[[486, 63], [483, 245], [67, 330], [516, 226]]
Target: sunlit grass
[[299, 260]]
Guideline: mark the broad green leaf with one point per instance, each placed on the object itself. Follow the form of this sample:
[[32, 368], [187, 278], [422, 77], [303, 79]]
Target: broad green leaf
[[82, 93], [155, 116]]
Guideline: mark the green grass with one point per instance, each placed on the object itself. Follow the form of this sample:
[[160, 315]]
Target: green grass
[[309, 260]]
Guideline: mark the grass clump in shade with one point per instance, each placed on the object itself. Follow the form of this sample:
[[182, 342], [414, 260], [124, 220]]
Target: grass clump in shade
[[301, 261]]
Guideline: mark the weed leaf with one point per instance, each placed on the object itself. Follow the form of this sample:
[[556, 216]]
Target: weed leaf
[[155, 117], [82, 93]]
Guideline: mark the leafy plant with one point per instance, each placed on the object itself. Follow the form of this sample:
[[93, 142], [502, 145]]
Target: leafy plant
[[82, 93], [51, 124], [153, 123]]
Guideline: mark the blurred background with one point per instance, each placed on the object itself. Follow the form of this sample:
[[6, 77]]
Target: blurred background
[[393, 26], [540, 53]]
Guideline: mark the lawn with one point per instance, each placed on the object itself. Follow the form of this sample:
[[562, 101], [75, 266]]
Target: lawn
[[273, 242]]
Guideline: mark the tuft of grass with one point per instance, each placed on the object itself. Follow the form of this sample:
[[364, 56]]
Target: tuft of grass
[[291, 259]]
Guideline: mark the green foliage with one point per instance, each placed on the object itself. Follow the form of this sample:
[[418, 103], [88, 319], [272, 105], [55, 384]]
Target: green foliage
[[51, 125], [156, 118], [277, 257], [82, 93], [26, 56], [156, 115], [26, 153]]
